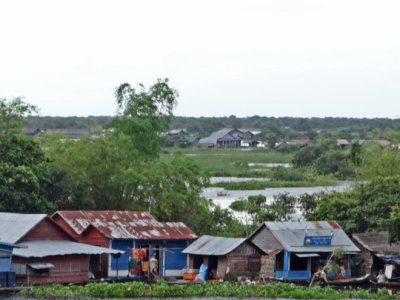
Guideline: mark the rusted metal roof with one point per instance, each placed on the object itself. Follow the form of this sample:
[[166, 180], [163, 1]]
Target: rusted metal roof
[[213, 245], [377, 242], [117, 224]]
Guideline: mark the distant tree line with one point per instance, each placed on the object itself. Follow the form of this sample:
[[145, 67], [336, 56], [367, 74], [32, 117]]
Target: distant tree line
[[282, 127]]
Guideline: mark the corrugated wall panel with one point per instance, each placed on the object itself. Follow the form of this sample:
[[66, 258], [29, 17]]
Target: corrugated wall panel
[[174, 258], [123, 245]]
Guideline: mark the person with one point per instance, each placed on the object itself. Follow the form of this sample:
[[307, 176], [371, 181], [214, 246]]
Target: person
[[381, 277], [320, 275], [154, 266]]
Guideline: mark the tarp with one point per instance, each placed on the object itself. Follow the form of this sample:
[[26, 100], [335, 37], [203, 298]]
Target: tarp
[[307, 254], [41, 266]]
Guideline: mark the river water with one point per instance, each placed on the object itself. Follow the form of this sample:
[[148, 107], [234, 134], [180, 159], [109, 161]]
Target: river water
[[224, 198]]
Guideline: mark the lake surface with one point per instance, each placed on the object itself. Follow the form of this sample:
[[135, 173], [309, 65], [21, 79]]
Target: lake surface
[[224, 198]]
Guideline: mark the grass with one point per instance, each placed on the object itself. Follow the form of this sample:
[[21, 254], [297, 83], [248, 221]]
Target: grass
[[234, 162], [260, 185], [225, 289]]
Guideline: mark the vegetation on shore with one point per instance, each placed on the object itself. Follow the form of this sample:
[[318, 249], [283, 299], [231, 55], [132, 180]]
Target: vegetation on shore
[[260, 185], [226, 289], [234, 162]]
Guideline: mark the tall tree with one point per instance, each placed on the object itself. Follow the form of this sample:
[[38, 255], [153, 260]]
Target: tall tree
[[12, 114], [25, 174], [144, 117]]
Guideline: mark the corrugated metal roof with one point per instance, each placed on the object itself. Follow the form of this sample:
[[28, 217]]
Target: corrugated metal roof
[[125, 224], [212, 139], [291, 235], [213, 245], [377, 242], [14, 226], [54, 247]]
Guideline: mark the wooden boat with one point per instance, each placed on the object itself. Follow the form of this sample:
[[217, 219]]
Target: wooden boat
[[393, 285], [344, 281]]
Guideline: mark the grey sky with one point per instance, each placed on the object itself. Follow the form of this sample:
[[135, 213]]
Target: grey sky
[[270, 58]]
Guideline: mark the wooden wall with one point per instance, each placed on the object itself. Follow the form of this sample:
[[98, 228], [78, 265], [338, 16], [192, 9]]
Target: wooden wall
[[265, 240], [67, 269], [46, 230], [244, 260]]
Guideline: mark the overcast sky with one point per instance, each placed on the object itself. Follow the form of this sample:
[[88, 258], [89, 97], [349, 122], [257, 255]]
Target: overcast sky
[[299, 58]]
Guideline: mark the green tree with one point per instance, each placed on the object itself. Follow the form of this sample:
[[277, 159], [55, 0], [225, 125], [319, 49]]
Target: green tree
[[12, 114], [143, 117], [367, 207], [25, 176]]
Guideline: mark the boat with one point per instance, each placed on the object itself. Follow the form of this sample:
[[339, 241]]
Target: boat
[[392, 285], [344, 281]]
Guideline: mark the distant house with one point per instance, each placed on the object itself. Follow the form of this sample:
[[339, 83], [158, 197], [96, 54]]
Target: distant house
[[377, 253], [295, 250], [342, 143], [31, 131], [127, 230], [225, 255], [301, 141], [228, 138], [44, 252], [178, 131]]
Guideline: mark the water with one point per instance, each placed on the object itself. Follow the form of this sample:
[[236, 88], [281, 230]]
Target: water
[[235, 179], [270, 165], [224, 198]]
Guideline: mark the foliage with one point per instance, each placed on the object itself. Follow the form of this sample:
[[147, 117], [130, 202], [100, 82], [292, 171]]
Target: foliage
[[144, 116], [211, 290], [260, 185], [394, 225], [332, 265], [367, 207], [28, 181], [12, 113], [325, 156], [378, 161], [281, 208], [230, 162]]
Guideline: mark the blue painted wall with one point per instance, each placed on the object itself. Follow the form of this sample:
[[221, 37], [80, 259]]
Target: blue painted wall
[[174, 258], [5, 258], [123, 245], [301, 274]]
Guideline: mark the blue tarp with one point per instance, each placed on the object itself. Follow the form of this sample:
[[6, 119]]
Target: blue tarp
[[202, 273], [391, 259]]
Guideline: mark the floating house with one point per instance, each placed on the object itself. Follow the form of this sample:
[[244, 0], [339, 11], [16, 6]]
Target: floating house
[[225, 255], [129, 231], [44, 252], [377, 254], [7, 278], [295, 250]]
